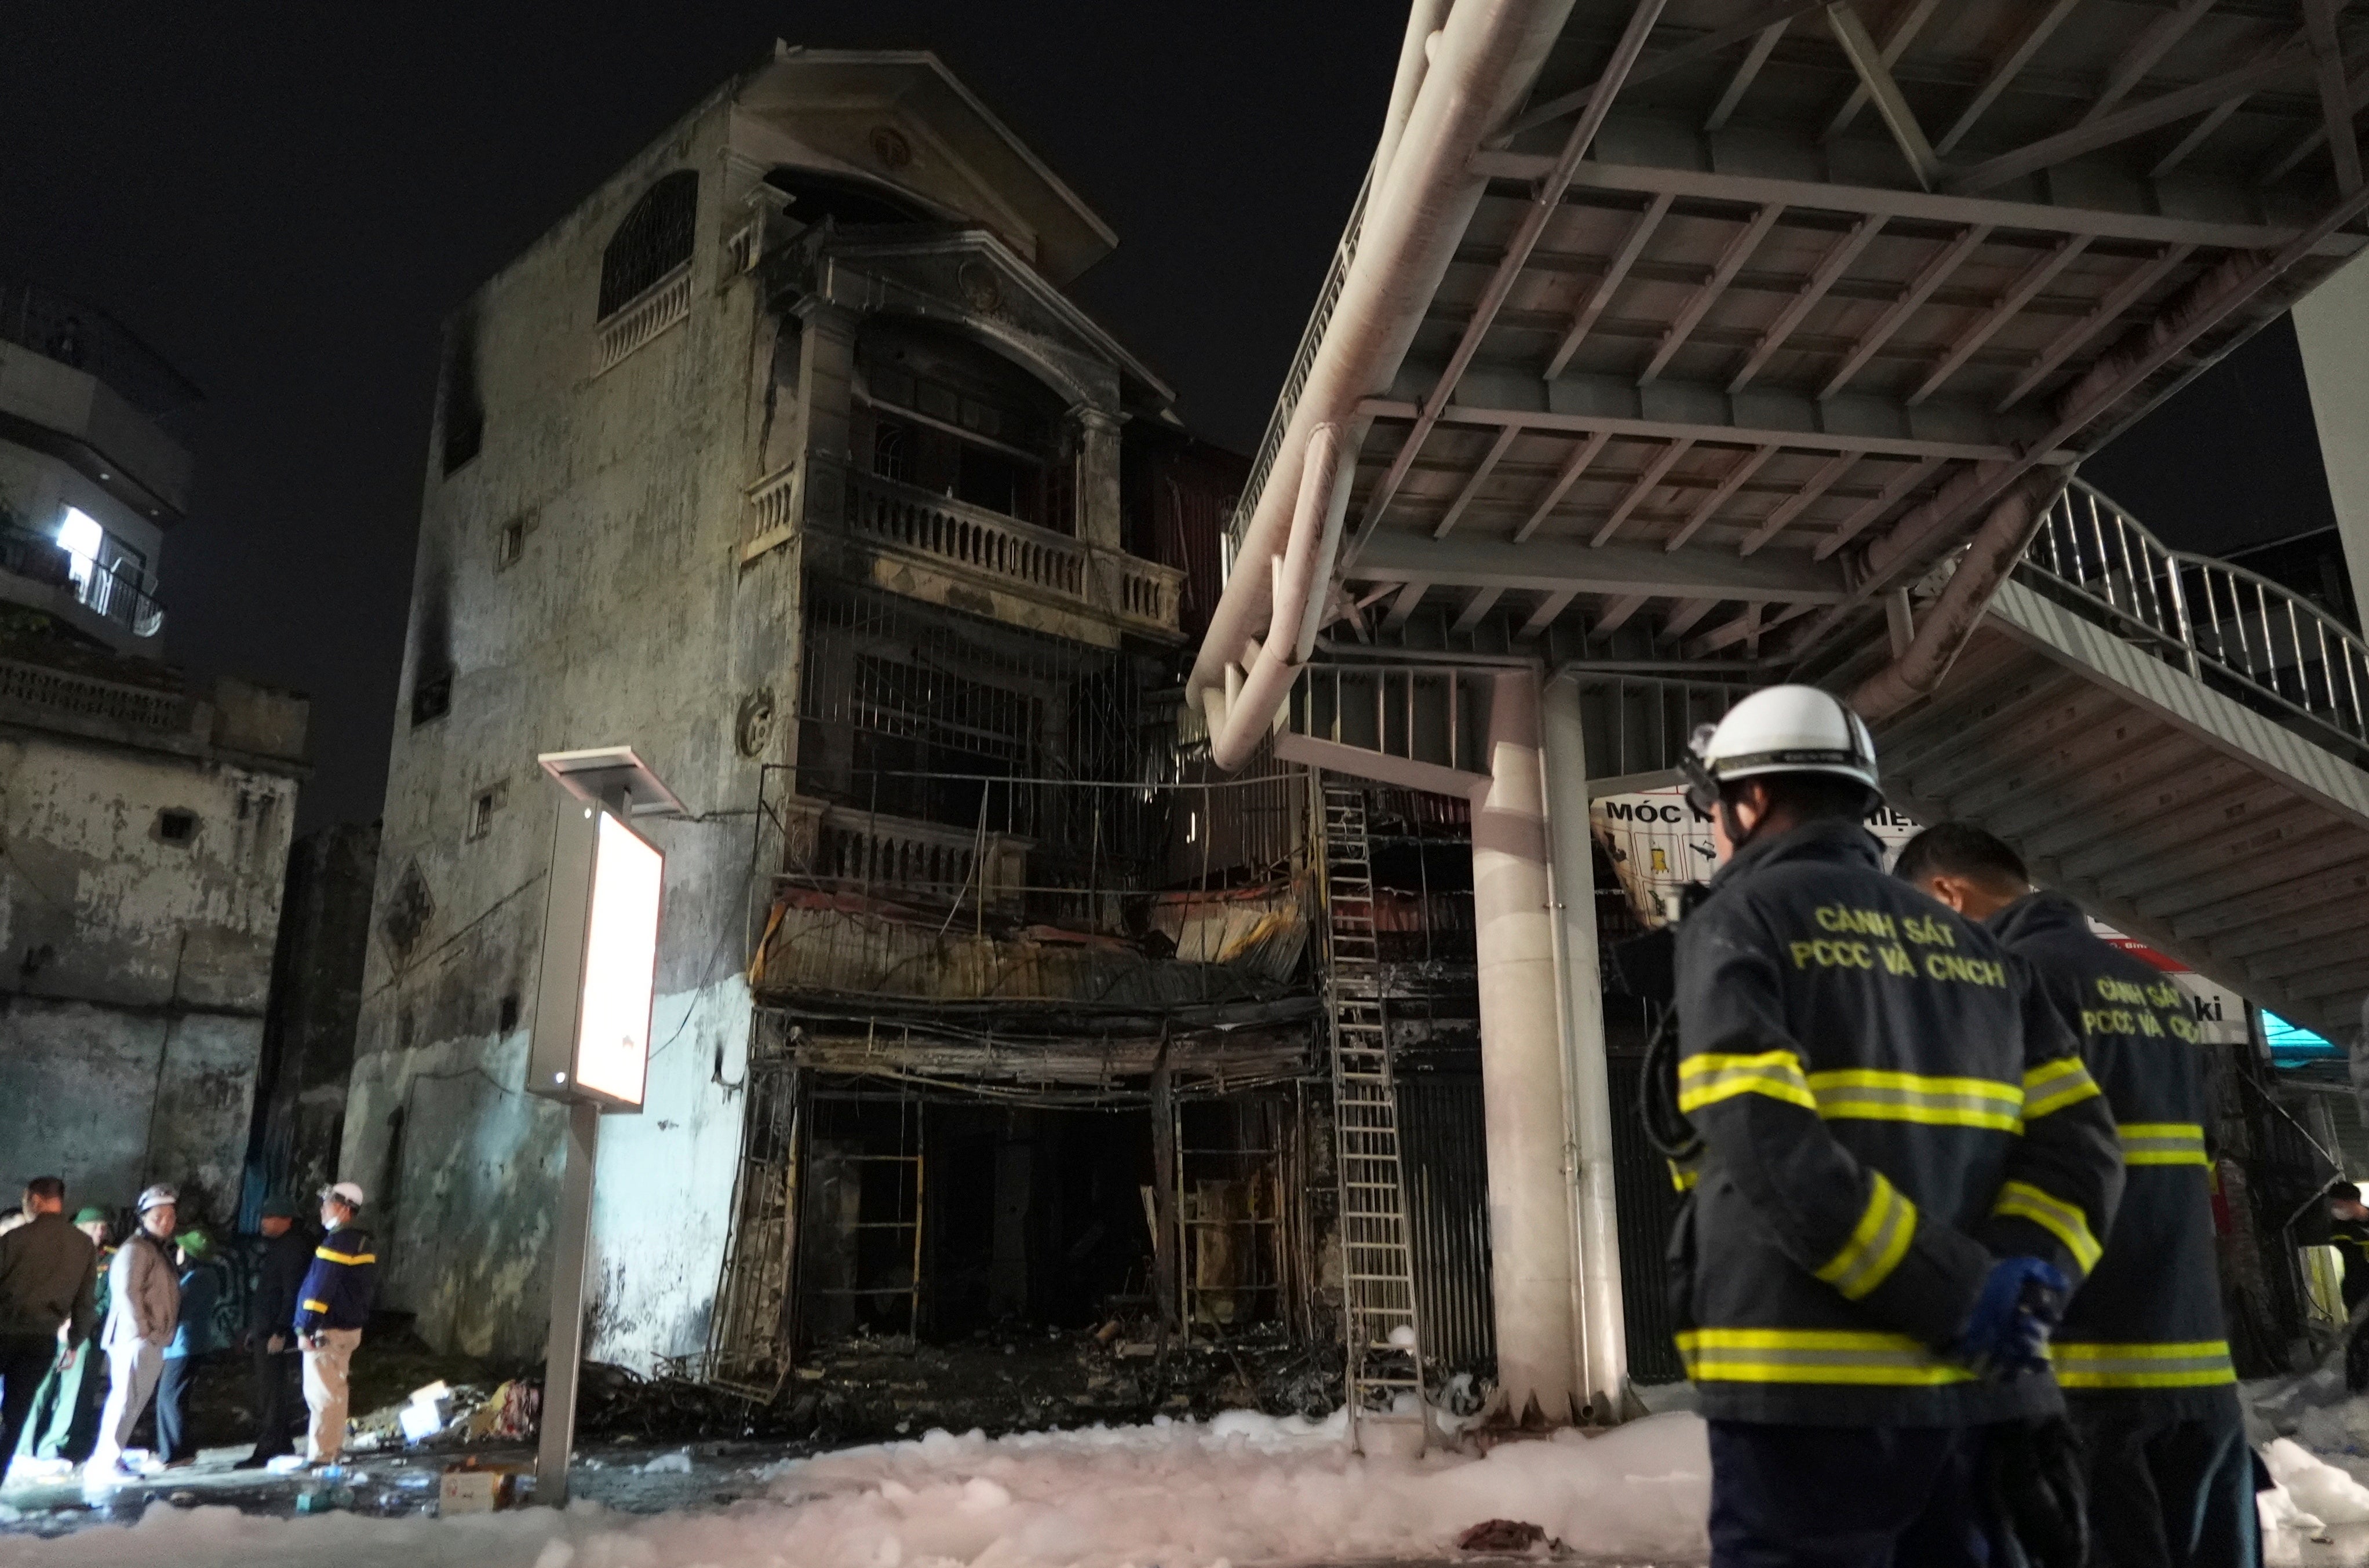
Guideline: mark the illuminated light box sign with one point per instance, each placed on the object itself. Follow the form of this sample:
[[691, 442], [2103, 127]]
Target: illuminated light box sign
[[599, 968]]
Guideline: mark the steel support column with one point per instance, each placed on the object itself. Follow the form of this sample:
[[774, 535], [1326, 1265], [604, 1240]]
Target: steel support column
[[1603, 1339], [1523, 1090]]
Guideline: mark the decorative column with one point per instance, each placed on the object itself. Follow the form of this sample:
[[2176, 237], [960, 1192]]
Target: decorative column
[[1098, 500], [826, 389], [1522, 1069]]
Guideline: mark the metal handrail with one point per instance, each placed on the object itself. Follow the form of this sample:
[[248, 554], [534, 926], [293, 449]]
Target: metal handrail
[[110, 591], [1295, 381], [2229, 627]]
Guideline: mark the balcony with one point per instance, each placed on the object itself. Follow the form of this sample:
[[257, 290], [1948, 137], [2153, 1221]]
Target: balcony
[[1005, 553], [76, 383], [112, 605]]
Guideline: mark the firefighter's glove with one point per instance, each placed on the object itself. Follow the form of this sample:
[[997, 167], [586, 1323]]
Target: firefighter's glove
[[2008, 1331], [2033, 1473]]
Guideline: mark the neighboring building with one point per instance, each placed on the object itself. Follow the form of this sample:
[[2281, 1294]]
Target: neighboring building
[[786, 460], [144, 820]]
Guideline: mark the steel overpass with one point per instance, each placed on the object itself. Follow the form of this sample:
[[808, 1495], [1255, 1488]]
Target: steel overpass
[[1679, 346]]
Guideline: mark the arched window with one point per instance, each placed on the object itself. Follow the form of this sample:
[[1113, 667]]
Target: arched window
[[653, 241]]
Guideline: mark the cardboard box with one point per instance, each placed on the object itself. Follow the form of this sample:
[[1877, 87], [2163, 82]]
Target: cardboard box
[[471, 1488]]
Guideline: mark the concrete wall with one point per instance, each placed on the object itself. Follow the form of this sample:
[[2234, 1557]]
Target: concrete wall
[[136, 966], [2332, 329], [316, 985], [627, 619]]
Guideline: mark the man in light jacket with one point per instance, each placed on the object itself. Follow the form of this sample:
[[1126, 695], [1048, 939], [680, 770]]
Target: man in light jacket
[[144, 1308]]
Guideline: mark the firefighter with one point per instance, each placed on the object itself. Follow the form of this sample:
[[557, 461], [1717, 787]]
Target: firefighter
[[2142, 1353], [1905, 1166]]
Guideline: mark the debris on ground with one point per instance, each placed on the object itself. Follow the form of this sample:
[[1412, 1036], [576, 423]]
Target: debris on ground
[[1505, 1537]]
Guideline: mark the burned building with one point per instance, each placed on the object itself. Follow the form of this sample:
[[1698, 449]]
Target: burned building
[[144, 816], [786, 459]]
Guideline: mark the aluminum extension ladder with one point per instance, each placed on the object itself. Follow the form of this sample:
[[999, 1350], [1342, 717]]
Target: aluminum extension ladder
[[1378, 1321]]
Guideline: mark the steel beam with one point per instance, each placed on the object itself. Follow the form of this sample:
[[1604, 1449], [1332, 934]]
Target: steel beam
[[1545, 200], [1403, 605], [1685, 614], [1616, 614], [1646, 484], [1749, 68], [1793, 506], [1743, 469], [1731, 261], [2346, 883], [1695, 430], [2319, 18], [2164, 109], [2018, 56], [2011, 303], [1564, 480], [1831, 267], [1483, 601], [1902, 33], [1948, 260], [1875, 74], [1473, 481], [1878, 202], [2357, 97], [2198, 134], [1688, 53], [1885, 499], [1550, 609], [2070, 342], [1632, 247], [2147, 51], [1553, 564]]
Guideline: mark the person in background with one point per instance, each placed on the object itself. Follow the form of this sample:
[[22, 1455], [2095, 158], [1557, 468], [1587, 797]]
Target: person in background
[[143, 1310], [270, 1339], [2142, 1353], [45, 1309], [2348, 1232], [193, 1340], [65, 1412], [331, 1308]]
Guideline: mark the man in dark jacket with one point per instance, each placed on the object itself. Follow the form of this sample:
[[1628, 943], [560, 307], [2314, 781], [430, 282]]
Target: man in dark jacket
[[65, 1422], [1904, 1164], [270, 1331], [2142, 1353], [45, 1307], [331, 1308]]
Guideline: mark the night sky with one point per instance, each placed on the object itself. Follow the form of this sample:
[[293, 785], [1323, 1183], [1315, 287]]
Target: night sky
[[286, 200]]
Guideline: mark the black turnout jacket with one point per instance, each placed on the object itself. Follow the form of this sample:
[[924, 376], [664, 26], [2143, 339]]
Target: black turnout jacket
[[2146, 1333], [1887, 1105]]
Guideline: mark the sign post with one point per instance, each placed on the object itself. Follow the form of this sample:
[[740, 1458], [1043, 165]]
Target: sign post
[[591, 1045]]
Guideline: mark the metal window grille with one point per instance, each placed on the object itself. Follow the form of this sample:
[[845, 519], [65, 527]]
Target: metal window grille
[[654, 239]]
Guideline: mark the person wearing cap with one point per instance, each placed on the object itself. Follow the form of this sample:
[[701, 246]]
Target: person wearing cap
[[2142, 1354], [45, 1310], [65, 1412], [143, 1310], [1905, 1168], [194, 1338], [270, 1339], [331, 1308]]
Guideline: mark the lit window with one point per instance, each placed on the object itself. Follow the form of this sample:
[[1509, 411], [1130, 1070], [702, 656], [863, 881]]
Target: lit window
[[80, 537]]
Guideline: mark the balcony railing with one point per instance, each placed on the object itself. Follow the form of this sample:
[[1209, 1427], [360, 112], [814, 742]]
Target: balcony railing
[[642, 318], [115, 593], [88, 339], [905, 517], [2232, 629]]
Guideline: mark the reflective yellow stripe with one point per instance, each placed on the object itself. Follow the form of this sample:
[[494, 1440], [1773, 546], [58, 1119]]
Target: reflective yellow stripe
[[2052, 1085], [316, 1306], [1876, 1245], [2021, 1201], [1682, 1178], [1710, 1078], [2163, 1143], [1811, 1356], [1915, 1097], [345, 1257], [2191, 1364]]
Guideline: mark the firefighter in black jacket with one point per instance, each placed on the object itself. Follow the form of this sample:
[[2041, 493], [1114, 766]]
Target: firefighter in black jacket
[[1905, 1165], [2141, 1352]]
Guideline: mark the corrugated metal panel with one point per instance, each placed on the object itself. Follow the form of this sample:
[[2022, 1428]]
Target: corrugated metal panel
[[1447, 1196]]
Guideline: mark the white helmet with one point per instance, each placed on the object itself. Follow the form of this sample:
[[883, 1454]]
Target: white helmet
[[1783, 729]]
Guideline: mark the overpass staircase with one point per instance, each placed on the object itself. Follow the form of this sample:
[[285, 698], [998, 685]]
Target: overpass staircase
[[2176, 742]]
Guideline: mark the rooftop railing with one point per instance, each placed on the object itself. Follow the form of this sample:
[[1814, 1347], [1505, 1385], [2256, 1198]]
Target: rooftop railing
[[2234, 630], [84, 338]]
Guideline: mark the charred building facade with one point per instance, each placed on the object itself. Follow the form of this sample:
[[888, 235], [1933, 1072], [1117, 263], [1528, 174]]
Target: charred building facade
[[786, 459]]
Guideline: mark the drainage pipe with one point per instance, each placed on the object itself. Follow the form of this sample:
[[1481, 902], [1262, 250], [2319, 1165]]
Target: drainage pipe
[[1481, 63], [1942, 636]]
